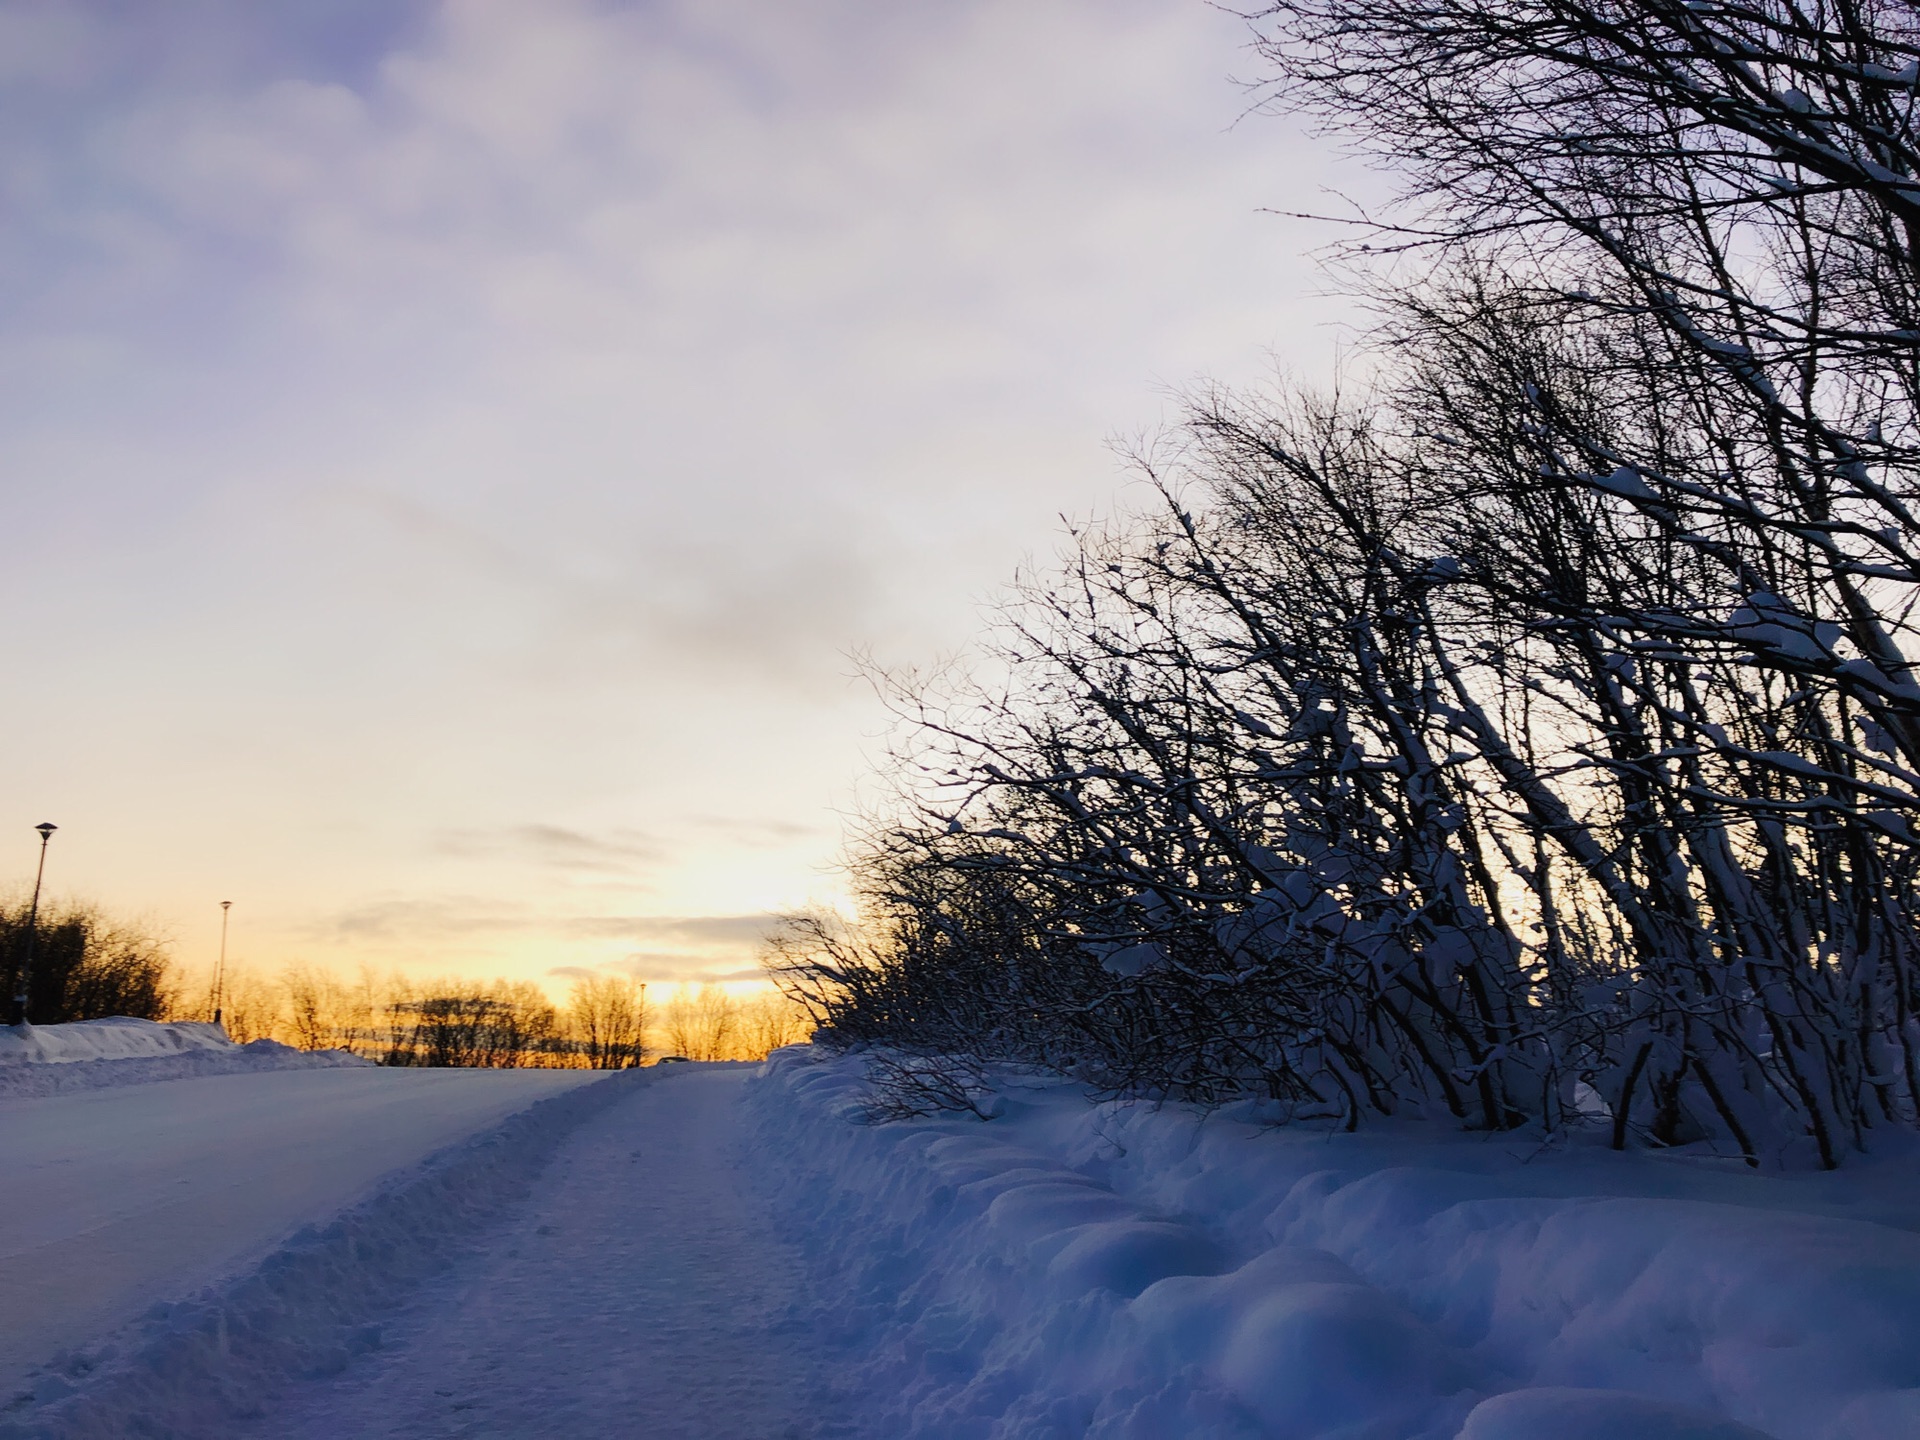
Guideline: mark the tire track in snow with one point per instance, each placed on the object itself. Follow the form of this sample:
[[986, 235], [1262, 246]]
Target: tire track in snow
[[641, 1290]]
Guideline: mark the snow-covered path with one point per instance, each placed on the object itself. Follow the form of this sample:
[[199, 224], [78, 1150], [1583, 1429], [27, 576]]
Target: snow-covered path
[[640, 1290], [717, 1254], [112, 1199]]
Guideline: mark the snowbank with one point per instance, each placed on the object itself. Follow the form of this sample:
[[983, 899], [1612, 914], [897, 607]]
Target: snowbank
[[23, 1082], [199, 1366], [1124, 1271], [39, 1060], [118, 1037]]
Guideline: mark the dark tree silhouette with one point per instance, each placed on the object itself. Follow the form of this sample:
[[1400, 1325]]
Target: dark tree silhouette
[[85, 966], [1542, 724]]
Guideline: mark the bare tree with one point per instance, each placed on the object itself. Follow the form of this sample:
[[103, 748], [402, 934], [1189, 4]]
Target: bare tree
[[1547, 718], [502, 1025], [707, 1023], [312, 1005], [607, 1017], [252, 1005], [768, 1022]]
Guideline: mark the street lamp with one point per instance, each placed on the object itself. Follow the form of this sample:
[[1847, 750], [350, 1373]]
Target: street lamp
[[220, 969], [33, 929]]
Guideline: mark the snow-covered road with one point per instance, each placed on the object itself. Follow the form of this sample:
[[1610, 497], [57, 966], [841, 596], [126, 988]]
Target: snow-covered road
[[112, 1199], [640, 1290]]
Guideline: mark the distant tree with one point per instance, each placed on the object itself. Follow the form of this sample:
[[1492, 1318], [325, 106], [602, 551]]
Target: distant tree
[[606, 1020], [306, 1006], [360, 1002], [86, 966], [708, 1023], [468, 1024], [769, 1022], [702, 1024], [526, 1027], [678, 1027], [322, 1013], [251, 1006], [716, 1017], [395, 1029]]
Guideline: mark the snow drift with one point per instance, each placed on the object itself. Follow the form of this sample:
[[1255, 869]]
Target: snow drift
[[92, 1054], [1116, 1270], [118, 1037]]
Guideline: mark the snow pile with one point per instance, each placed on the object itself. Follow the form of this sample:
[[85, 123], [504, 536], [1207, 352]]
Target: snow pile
[[199, 1366], [1123, 1271], [118, 1037], [39, 1060]]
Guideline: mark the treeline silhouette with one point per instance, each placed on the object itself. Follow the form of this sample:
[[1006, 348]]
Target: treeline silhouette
[[83, 965], [86, 966], [605, 1021], [1533, 737]]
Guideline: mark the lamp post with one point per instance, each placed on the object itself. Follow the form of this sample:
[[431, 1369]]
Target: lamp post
[[33, 929], [220, 968]]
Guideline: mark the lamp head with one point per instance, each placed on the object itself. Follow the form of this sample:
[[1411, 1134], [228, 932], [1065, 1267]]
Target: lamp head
[[46, 829]]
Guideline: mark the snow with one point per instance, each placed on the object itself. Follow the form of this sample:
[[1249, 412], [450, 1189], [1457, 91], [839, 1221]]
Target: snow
[[709, 1250], [118, 1037], [1110, 1270], [114, 1199], [594, 1263], [1626, 482], [19, 1082], [640, 1283], [1566, 1413], [38, 1060]]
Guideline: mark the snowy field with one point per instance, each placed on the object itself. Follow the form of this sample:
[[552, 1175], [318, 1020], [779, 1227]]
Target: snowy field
[[730, 1253]]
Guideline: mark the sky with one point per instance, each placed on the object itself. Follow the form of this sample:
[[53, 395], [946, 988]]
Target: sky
[[453, 449]]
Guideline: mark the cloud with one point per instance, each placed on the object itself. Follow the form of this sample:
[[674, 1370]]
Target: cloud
[[672, 968], [454, 411], [758, 833], [705, 932], [617, 852], [451, 917], [469, 931], [461, 915], [762, 602]]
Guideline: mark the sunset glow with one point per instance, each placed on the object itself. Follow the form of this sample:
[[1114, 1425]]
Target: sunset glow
[[454, 449]]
